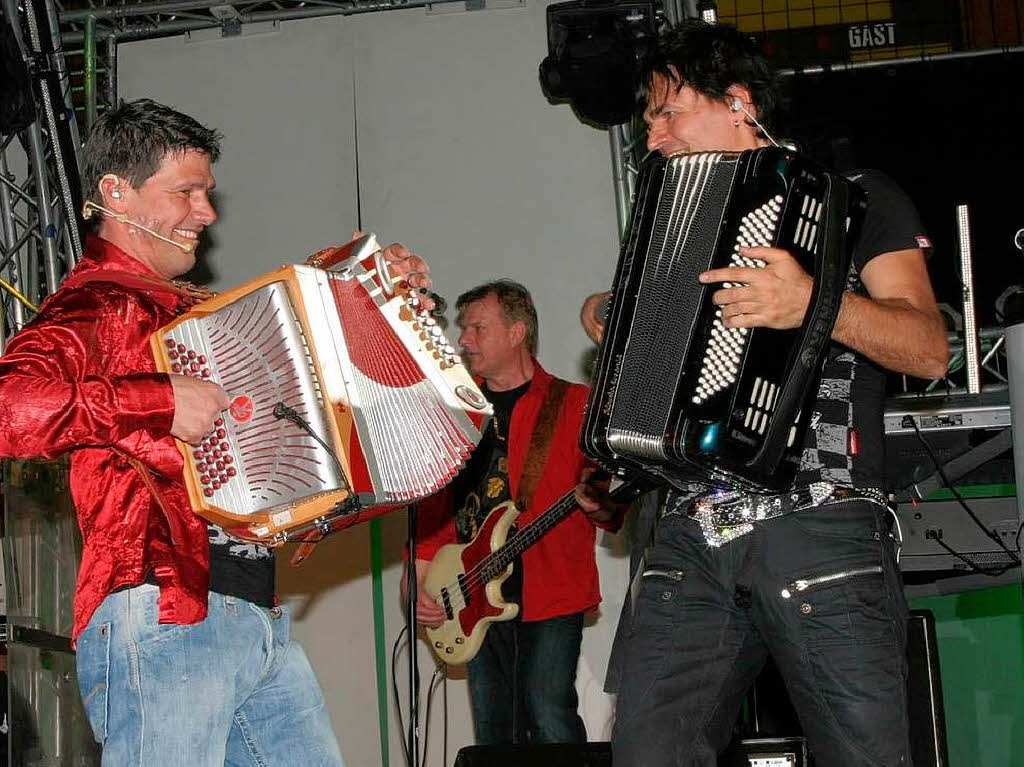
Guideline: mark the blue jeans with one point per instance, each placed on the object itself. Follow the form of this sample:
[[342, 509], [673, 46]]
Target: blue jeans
[[522, 683], [818, 590], [231, 690]]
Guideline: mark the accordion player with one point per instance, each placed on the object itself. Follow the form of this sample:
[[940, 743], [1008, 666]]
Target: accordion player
[[676, 394], [347, 400]]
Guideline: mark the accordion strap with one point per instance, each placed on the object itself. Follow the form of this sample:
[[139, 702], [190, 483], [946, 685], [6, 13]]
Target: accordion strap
[[540, 442]]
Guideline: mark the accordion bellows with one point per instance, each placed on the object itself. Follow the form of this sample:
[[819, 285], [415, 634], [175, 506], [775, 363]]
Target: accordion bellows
[[678, 395], [347, 400]]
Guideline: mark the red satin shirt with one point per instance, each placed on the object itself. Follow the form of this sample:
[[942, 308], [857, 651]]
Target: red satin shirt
[[560, 570], [80, 378]]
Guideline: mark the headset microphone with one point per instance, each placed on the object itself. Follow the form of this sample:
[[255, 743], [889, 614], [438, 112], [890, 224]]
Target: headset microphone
[[737, 106], [91, 207]]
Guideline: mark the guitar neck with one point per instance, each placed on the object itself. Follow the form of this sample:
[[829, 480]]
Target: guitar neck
[[499, 559]]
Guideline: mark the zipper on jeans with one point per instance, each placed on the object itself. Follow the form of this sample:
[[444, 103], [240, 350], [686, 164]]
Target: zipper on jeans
[[676, 575], [804, 584]]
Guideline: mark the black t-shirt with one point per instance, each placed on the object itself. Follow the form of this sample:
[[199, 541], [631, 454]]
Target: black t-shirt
[[243, 570], [485, 484], [474, 499], [849, 407]]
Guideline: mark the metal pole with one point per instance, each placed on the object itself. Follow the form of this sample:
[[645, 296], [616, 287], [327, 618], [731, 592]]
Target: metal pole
[[112, 72], [677, 10], [179, 6], [58, 116], [413, 736], [167, 28], [47, 226], [89, 73], [818, 69], [10, 246], [1015, 365], [620, 176]]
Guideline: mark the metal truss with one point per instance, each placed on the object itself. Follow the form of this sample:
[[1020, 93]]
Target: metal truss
[[90, 34], [137, 21], [39, 186]]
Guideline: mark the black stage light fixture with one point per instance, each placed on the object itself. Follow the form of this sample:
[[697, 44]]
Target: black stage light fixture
[[594, 53], [17, 107]]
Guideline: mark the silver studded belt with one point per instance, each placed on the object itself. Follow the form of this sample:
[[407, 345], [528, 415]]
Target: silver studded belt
[[724, 515]]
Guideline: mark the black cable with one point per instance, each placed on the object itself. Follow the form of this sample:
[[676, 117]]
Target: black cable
[[438, 671], [394, 689], [282, 411], [956, 494]]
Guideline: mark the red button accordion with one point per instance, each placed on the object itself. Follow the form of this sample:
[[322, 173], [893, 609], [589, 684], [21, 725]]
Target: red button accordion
[[678, 395], [347, 400]]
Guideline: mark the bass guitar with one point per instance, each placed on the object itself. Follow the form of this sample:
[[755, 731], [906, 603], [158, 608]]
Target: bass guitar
[[465, 579]]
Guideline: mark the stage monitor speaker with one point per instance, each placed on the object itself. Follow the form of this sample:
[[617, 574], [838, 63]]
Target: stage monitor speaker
[[924, 693], [548, 754]]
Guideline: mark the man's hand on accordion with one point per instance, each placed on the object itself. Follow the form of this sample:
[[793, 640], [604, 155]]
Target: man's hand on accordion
[[197, 404], [409, 265], [775, 295], [593, 497], [592, 315]]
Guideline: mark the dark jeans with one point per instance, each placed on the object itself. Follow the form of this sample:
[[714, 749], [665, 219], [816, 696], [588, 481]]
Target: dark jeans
[[522, 683], [707, 618]]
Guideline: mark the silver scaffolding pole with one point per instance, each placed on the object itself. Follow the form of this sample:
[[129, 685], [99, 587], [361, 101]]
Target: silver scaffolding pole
[[40, 238]]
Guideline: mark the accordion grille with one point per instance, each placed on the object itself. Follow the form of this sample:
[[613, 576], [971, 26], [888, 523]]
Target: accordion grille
[[256, 350], [687, 216]]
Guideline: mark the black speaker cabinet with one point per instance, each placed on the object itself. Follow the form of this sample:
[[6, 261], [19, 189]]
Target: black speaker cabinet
[[549, 755], [924, 693]]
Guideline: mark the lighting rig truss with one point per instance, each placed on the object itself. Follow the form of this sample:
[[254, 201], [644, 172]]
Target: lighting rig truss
[[39, 188]]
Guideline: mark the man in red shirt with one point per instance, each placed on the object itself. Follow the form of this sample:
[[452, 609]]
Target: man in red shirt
[[183, 657], [522, 681]]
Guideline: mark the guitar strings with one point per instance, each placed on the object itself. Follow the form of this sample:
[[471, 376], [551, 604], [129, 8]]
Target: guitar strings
[[480, 573]]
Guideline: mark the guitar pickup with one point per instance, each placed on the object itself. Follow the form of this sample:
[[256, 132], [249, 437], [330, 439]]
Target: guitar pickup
[[447, 604]]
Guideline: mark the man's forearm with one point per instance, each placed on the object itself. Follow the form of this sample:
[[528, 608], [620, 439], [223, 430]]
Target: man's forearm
[[895, 334]]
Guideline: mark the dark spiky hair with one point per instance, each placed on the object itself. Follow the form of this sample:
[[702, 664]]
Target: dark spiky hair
[[132, 140]]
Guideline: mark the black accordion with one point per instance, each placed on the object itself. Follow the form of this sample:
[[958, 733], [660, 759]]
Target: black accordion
[[678, 395]]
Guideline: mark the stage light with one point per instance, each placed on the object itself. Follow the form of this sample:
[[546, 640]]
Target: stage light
[[17, 105], [708, 11], [594, 52]]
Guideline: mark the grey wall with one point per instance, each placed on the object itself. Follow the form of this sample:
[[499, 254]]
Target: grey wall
[[460, 157]]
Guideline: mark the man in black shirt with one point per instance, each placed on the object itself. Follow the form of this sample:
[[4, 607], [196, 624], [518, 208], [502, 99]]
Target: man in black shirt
[[817, 589]]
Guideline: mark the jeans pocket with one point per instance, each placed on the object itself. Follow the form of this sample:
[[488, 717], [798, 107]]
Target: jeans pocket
[[849, 603], [92, 659]]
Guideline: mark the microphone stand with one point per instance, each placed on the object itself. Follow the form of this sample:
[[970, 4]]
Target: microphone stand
[[410, 625]]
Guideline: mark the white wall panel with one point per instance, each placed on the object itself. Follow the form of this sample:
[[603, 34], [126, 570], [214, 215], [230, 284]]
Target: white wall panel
[[282, 95]]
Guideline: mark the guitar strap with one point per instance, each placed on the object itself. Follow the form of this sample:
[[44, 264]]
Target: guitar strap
[[540, 442]]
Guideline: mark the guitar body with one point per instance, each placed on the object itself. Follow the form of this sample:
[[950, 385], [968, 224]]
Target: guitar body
[[473, 603]]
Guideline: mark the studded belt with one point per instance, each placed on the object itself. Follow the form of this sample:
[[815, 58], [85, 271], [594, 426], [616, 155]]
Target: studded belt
[[724, 515]]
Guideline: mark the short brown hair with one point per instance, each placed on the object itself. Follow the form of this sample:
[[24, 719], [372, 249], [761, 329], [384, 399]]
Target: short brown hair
[[515, 301]]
